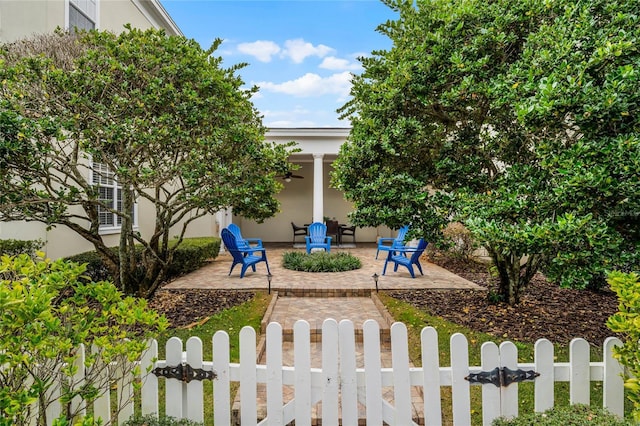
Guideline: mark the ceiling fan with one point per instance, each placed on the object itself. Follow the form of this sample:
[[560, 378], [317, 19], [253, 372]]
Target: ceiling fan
[[289, 175]]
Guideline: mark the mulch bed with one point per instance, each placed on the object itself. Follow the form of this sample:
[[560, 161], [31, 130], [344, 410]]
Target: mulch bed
[[545, 310]]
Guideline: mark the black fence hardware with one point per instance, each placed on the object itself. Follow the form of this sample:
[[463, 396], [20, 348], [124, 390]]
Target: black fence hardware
[[501, 377], [185, 373]]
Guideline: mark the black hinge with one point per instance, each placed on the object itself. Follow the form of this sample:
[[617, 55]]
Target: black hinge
[[185, 373], [501, 376]]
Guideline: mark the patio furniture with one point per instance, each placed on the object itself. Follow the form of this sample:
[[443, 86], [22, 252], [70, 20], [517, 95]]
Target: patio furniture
[[243, 256], [348, 231], [298, 231], [387, 244], [333, 230], [399, 257], [317, 237], [244, 243]]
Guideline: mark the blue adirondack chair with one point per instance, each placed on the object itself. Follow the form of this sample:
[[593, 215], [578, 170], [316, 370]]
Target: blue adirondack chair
[[244, 243], [388, 244], [317, 237], [243, 256], [399, 257]]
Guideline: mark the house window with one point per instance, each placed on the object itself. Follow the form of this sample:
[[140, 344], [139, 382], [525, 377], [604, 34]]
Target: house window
[[110, 194], [82, 14]]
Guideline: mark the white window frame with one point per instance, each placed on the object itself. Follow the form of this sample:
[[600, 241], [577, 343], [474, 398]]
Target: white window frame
[[102, 177]]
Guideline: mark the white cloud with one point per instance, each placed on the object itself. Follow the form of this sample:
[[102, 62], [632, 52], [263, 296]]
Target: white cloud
[[337, 64], [262, 50], [299, 49], [312, 84]]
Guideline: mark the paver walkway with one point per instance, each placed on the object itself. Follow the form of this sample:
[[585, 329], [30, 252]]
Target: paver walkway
[[315, 297]]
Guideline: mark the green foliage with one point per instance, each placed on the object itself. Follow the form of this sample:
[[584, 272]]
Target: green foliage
[[16, 247], [320, 261], [576, 414], [190, 255], [159, 421], [46, 313], [625, 322], [175, 127], [513, 117]]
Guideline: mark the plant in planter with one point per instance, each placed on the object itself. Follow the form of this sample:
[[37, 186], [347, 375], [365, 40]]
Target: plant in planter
[[320, 261]]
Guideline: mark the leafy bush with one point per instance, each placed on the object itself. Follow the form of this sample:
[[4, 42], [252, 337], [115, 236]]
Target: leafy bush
[[320, 261], [189, 256], [625, 321], [567, 415], [159, 421], [48, 302], [16, 247], [459, 240]]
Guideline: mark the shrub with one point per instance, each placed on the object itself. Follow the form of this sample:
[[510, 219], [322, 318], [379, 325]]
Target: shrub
[[192, 254], [48, 302], [16, 247], [566, 415], [625, 322], [159, 421], [320, 261], [459, 240]]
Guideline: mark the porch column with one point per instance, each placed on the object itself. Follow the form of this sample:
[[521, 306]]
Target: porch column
[[318, 188]]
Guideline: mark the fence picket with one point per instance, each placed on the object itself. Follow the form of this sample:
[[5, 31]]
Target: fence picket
[[248, 393], [509, 394], [274, 375], [613, 382], [330, 374], [78, 406], [401, 382], [431, 377], [195, 395], [348, 381], [545, 382], [174, 392], [373, 377], [580, 372], [302, 362], [460, 395], [222, 382], [124, 391], [491, 401], [52, 394], [102, 404], [149, 389]]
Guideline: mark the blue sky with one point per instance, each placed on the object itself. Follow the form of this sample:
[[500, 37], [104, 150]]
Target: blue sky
[[300, 53]]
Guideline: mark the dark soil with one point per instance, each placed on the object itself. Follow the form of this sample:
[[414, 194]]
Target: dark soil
[[545, 310]]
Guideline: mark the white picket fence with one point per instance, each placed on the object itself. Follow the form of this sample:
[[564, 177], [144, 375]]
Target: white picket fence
[[343, 387]]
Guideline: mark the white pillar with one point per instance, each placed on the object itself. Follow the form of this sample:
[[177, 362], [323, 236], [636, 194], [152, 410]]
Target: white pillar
[[318, 188], [223, 219]]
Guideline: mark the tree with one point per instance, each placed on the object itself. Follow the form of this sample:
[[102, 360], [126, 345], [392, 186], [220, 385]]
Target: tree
[[462, 119], [160, 117], [47, 312]]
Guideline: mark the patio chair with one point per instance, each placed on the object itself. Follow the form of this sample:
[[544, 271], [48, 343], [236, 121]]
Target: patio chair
[[244, 243], [317, 237], [348, 231], [399, 257], [298, 231], [333, 230], [387, 244], [243, 256]]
